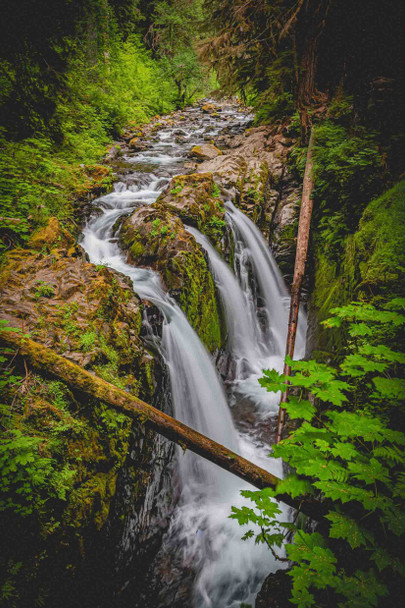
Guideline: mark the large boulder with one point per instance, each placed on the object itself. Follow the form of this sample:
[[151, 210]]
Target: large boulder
[[196, 199], [205, 152], [155, 237]]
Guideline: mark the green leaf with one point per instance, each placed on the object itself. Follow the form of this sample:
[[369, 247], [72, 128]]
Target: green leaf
[[294, 486], [390, 388], [360, 329], [357, 365], [272, 381], [297, 408], [346, 528]]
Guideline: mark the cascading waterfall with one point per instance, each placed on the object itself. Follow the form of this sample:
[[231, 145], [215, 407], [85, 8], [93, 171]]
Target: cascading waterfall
[[245, 339], [251, 246], [228, 571], [250, 243]]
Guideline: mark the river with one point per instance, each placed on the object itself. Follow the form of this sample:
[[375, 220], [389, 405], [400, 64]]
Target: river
[[227, 571]]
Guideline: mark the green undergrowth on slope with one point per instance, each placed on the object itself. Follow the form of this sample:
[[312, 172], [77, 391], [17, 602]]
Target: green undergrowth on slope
[[347, 454], [44, 175], [371, 266]]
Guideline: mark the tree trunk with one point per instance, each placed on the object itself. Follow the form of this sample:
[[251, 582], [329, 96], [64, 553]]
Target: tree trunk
[[299, 271], [45, 359], [309, 29]]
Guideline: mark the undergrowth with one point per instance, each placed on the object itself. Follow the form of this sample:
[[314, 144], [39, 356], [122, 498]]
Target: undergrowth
[[346, 455]]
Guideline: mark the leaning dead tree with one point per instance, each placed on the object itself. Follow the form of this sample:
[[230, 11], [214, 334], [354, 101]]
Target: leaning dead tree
[[299, 271], [46, 360]]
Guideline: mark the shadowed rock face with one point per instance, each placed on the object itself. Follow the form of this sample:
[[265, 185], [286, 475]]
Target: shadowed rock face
[[118, 471]]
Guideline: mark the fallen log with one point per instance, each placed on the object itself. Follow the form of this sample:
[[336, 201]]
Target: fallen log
[[299, 271], [45, 359]]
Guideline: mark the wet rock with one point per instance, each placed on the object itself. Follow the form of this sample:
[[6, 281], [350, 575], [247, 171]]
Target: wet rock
[[155, 237], [275, 591], [205, 152], [137, 144], [190, 165], [113, 153], [196, 199], [209, 108]]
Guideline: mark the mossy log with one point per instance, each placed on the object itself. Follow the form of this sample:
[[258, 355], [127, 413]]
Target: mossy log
[[45, 359]]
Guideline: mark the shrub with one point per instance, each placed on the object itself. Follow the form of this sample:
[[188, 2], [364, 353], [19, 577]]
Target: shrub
[[345, 454]]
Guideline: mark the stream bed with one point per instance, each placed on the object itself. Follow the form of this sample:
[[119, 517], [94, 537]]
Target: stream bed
[[202, 541]]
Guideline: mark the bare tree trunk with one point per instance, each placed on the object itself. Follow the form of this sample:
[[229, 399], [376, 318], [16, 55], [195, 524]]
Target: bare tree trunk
[[309, 30], [299, 271], [45, 359]]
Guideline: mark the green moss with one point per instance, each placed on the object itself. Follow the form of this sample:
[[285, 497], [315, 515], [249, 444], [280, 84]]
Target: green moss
[[174, 253], [197, 298], [194, 198], [137, 249], [371, 266], [380, 244]]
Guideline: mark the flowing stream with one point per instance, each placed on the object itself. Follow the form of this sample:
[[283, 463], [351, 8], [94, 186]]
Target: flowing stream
[[227, 571]]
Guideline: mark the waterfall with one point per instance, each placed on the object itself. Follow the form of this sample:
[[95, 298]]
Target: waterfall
[[251, 248], [228, 572], [245, 340]]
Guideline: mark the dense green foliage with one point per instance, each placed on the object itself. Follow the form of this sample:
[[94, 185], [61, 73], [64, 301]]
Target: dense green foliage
[[368, 264], [71, 85], [174, 33], [348, 174], [346, 454]]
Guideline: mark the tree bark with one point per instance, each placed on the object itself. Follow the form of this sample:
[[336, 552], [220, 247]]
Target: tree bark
[[299, 271], [310, 27], [45, 359]]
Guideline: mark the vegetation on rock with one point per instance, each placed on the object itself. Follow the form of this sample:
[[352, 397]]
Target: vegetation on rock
[[155, 237]]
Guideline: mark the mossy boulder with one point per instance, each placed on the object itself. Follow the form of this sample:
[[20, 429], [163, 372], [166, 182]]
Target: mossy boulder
[[155, 237], [54, 237], [196, 200], [137, 144], [88, 313]]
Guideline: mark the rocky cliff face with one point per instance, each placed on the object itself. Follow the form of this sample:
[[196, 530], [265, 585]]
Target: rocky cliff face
[[252, 171], [104, 479]]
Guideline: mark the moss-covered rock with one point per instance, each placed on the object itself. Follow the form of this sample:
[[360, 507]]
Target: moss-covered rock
[[196, 199], [53, 237], [205, 152], [370, 268], [62, 454], [155, 237]]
